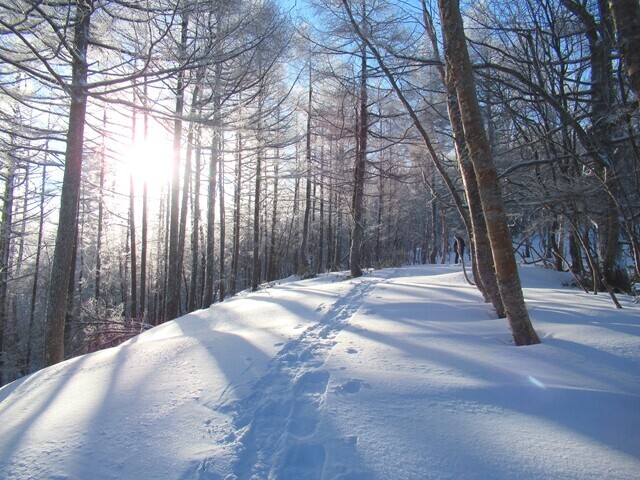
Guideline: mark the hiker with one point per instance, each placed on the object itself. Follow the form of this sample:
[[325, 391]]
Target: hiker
[[458, 247]]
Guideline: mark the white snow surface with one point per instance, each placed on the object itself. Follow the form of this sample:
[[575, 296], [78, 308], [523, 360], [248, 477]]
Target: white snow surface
[[401, 374]]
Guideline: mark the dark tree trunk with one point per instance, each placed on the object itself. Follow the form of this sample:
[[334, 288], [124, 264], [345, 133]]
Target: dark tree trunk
[[357, 205], [194, 302], [304, 266], [273, 261], [5, 243], [626, 14], [223, 232], [237, 197], [174, 274], [36, 267], [214, 161], [255, 276], [145, 222], [63, 253]]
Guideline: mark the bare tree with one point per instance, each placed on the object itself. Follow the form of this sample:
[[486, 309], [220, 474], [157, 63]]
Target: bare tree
[[488, 183], [63, 255]]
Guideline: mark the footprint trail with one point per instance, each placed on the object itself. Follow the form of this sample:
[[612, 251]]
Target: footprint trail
[[279, 418]]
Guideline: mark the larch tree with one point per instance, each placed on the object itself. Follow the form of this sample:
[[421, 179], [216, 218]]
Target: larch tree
[[63, 254], [174, 273], [360, 163]]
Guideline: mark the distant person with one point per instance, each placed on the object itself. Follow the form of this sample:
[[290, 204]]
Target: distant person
[[458, 247]]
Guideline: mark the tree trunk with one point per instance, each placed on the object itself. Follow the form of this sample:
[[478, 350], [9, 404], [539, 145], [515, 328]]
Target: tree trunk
[[626, 14], [599, 35], [63, 252], [186, 186], [483, 266], [194, 301], [132, 234], [357, 233], [5, 244], [304, 266], [273, 261], [255, 277], [223, 230], [237, 197], [488, 183], [214, 160], [145, 221], [36, 268], [483, 269], [172, 293]]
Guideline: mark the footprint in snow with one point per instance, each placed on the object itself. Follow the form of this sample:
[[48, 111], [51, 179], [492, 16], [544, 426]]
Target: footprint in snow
[[303, 421], [303, 462], [350, 386], [312, 381]]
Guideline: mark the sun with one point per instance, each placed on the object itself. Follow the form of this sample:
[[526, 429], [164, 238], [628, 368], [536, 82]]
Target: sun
[[149, 161]]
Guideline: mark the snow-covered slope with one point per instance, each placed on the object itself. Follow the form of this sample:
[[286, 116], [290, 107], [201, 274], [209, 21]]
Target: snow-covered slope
[[401, 374]]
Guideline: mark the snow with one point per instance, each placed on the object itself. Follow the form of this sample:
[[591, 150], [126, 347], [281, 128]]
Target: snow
[[401, 374]]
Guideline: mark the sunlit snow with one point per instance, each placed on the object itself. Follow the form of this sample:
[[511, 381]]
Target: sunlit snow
[[402, 374]]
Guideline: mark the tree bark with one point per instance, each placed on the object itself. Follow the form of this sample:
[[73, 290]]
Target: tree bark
[[132, 234], [223, 232], [63, 252], [172, 293], [304, 266], [626, 15], [488, 183], [214, 161], [273, 260], [5, 243], [145, 222], [194, 302], [357, 232], [237, 197], [255, 277]]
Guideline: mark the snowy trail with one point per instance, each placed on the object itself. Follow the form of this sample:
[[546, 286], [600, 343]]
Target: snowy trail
[[402, 374], [279, 418]]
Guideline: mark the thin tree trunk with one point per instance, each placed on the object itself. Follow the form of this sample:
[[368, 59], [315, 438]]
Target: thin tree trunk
[[321, 243], [488, 183], [214, 160], [357, 234], [132, 234], [186, 192], [172, 293], [194, 300], [304, 266], [255, 277], [223, 232], [36, 268], [145, 221], [98, 271], [272, 266], [5, 244], [63, 254], [237, 197]]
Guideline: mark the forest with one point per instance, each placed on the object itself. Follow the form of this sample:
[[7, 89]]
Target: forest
[[160, 156]]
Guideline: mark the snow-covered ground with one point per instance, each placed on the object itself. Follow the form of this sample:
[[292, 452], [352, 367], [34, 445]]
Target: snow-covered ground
[[402, 374]]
